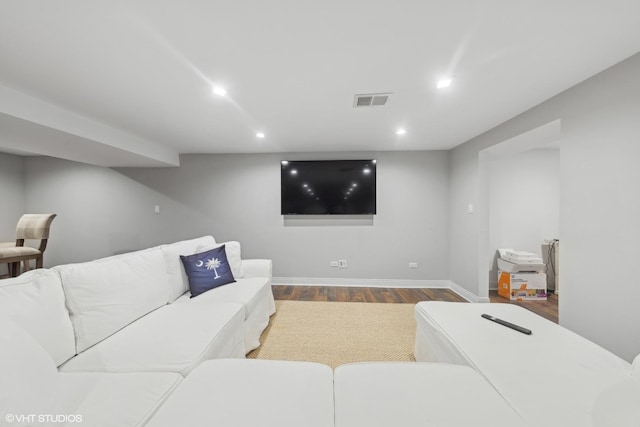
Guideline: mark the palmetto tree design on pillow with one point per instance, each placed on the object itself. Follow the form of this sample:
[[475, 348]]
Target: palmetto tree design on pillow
[[214, 264]]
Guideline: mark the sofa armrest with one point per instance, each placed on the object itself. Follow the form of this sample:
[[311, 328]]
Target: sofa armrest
[[256, 268]]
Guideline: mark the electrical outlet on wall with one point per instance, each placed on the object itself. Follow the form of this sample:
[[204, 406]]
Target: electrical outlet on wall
[[342, 263], [413, 264], [333, 263]]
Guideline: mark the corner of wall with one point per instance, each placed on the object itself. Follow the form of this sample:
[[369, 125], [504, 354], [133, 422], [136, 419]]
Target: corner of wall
[[469, 296]]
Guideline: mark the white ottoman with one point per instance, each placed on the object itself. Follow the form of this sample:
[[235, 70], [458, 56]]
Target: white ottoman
[[248, 392], [417, 394], [552, 377]]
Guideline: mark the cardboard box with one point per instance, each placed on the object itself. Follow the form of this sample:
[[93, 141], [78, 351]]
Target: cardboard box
[[522, 286]]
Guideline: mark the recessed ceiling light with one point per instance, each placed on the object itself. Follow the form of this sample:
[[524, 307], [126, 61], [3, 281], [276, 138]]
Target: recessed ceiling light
[[305, 185], [401, 132], [443, 83], [294, 172], [366, 171], [260, 135], [220, 91]]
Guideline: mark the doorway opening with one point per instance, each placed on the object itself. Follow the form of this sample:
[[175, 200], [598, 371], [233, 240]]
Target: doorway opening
[[519, 201]]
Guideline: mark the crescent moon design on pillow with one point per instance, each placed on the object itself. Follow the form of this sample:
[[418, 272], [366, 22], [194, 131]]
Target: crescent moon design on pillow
[[200, 263]]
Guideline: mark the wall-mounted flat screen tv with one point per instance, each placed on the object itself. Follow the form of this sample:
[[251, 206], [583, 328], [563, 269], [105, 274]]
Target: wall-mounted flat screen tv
[[328, 187]]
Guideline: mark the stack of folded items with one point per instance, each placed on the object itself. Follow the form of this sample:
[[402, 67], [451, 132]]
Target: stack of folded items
[[519, 261]]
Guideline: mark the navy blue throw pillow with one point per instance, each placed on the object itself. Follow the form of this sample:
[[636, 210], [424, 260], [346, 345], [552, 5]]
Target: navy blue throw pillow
[[207, 270]]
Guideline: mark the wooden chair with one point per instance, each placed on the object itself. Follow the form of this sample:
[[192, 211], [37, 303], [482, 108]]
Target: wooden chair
[[30, 227]]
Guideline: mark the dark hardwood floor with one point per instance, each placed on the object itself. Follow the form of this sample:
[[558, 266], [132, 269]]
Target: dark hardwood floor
[[547, 309], [360, 294]]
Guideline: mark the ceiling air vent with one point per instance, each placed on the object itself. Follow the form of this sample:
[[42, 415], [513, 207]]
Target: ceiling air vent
[[371, 100]]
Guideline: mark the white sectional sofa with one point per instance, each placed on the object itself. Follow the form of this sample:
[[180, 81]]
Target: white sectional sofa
[[552, 377], [132, 312], [119, 342], [242, 393], [123, 331]]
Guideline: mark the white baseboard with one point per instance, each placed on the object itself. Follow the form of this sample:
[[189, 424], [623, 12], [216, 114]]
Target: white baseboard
[[380, 283], [469, 296], [360, 283]]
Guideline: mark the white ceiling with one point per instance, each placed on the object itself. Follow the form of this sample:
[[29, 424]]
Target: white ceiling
[[136, 76]]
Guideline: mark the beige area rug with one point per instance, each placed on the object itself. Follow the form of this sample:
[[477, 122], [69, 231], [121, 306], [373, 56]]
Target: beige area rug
[[335, 333]]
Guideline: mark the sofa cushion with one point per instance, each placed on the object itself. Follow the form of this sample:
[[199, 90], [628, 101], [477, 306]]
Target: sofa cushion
[[240, 393], [207, 270], [27, 372], [105, 296], [248, 292], [417, 394], [35, 300], [257, 297], [256, 268], [177, 278], [174, 338], [112, 400]]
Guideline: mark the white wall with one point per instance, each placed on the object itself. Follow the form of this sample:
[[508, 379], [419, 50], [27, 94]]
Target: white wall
[[11, 195], [237, 196], [524, 201], [599, 200], [99, 211], [11, 198]]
